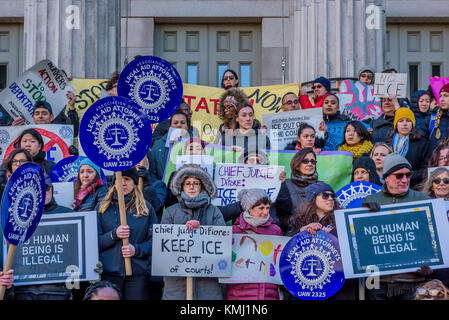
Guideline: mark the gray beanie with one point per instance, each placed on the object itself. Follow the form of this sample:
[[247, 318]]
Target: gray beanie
[[394, 162], [249, 197]]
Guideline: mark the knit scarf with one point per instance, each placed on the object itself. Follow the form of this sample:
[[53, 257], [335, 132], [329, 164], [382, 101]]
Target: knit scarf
[[357, 150], [254, 221], [196, 204], [84, 193], [400, 144], [302, 181]]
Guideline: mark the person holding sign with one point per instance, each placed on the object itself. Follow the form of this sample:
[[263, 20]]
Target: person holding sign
[[255, 219], [437, 185], [407, 141], [321, 88], [357, 139], [194, 189], [140, 217], [293, 190], [436, 127], [397, 173], [90, 189], [32, 141], [381, 127]]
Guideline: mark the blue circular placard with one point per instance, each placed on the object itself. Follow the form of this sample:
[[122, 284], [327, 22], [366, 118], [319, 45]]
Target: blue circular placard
[[115, 133], [23, 203], [311, 267], [67, 169], [154, 84], [352, 195]]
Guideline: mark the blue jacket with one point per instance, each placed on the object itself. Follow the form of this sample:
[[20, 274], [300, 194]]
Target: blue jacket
[[426, 131], [140, 237]]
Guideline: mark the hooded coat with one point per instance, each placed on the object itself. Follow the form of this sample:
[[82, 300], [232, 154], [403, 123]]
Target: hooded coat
[[419, 116]]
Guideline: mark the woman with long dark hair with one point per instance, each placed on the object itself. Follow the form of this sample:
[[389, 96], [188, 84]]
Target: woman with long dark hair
[[356, 140]]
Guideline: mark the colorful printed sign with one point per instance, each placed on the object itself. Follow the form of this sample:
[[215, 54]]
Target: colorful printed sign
[[114, 133], [352, 195], [154, 84], [231, 178], [282, 127], [42, 82], [67, 169], [255, 258], [64, 248], [399, 238], [390, 84], [203, 252], [357, 100], [23, 202], [88, 92], [311, 266], [57, 139]]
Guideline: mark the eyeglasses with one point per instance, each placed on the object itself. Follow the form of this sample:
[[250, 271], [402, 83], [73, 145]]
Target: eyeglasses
[[438, 180], [307, 161], [289, 102], [366, 75], [228, 78], [316, 87], [192, 184], [399, 176], [22, 161], [443, 158], [229, 106], [433, 292], [327, 195]]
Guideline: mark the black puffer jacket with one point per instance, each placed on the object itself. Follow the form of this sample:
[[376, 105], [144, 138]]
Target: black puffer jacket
[[382, 128]]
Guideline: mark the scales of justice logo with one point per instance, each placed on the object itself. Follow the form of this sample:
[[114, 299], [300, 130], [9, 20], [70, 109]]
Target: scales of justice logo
[[115, 136], [312, 267], [25, 205], [150, 90]]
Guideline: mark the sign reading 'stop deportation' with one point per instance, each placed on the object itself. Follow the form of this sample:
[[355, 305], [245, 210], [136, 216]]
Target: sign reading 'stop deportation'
[[283, 127], [63, 248], [399, 238], [42, 82], [203, 252]]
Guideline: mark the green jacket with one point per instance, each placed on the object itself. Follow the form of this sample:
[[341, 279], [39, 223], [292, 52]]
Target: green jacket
[[385, 197]]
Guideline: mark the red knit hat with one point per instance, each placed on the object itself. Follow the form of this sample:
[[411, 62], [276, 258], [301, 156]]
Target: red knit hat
[[445, 88]]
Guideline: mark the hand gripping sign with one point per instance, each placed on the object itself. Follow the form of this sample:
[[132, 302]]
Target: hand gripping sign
[[311, 266], [115, 134], [22, 207], [154, 84], [67, 169]]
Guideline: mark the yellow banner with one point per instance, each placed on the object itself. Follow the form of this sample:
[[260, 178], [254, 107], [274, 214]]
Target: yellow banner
[[202, 100]]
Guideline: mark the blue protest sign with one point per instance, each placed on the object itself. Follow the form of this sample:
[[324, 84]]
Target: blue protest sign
[[115, 134], [23, 203], [67, 169], [154, 84], [311, 266], [352, 195], [335, 134]]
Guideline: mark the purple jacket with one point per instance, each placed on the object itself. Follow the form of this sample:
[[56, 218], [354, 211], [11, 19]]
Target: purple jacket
[[254, 291]]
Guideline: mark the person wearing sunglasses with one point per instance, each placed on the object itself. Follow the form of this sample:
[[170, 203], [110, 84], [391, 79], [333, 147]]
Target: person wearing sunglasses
[[293, 190], [366, 75], [290, 102], [432, 290], [397, 173], [227, 108], [230, 79], [437, 185], [321, 88]]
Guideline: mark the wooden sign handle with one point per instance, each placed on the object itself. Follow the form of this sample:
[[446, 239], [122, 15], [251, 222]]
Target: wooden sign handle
[[121, 205], [8, 265], [140, 186], [189, 288]]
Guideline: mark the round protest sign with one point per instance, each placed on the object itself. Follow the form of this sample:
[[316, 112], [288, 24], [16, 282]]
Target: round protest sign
[[115, 134], [23, 203], [311, 267], [352, 195], [67, 169], [154, 84]]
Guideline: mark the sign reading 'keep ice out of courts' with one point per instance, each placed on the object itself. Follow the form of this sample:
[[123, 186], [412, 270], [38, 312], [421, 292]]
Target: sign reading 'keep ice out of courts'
[[203, 252], [399, 238]]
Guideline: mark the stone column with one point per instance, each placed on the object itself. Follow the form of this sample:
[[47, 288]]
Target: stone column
[[80, 36], [335, 38]]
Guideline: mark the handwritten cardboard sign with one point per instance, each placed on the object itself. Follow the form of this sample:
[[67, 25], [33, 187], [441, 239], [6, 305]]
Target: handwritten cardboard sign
[[390, 83], [255, 258], [203, 252], [230, 178]]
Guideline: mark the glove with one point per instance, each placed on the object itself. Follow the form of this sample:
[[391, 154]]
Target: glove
[[73, 151], [372, 206], [142, 172]]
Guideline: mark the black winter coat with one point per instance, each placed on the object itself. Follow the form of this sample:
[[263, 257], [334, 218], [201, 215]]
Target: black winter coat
[[431, 136], [382, 128]]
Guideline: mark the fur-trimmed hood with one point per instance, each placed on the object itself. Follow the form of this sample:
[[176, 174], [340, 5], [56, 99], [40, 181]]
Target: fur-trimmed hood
[[192, 170]]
